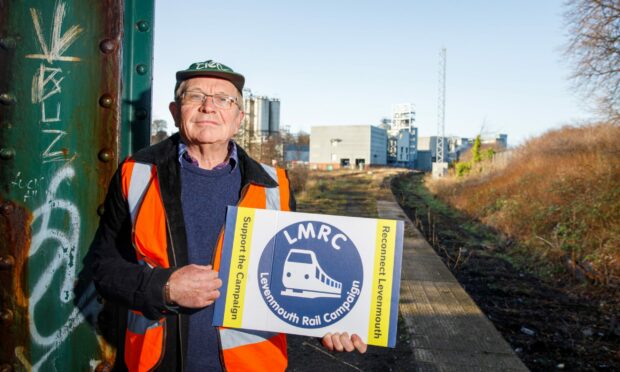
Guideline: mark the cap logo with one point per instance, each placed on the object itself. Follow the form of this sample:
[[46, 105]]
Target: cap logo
[[211, 65]]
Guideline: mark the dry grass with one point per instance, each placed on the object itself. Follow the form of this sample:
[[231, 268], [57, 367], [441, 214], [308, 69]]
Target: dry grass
[[559, 194], [344, 192], [298, 177]]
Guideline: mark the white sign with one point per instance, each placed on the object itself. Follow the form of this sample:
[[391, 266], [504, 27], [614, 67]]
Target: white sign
[[310, 274]]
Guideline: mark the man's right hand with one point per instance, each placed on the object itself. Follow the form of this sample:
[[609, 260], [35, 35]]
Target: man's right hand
[[194, 286]]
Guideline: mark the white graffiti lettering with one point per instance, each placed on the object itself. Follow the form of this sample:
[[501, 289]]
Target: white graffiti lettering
[[56, 222], [46, 82], [63, 259], [45, 119], [29, 187], [59, 44], [45, 76], [49, 155]]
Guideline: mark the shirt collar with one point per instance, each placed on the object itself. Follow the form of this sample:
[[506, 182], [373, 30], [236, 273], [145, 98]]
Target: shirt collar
[[232, 158]]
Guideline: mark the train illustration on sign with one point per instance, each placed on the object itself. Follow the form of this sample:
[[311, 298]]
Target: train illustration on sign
[[303, 277]]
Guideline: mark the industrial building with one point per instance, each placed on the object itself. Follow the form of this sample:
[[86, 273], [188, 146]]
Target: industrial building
[[260, 123], [393, 142], [427, 153], [498, 140], [348, 146], [453, 147], [294, 153], [262, 114], [402, 136], [261, 120]]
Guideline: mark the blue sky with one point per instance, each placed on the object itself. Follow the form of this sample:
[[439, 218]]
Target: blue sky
[[344, 62]]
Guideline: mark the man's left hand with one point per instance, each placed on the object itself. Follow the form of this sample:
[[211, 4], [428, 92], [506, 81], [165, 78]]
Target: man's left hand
[[342, 342]]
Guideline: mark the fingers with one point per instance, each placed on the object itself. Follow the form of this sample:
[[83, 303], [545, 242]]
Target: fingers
[[337, 340], [342, 342], [209, 281], [359, 344], [327, 342], [332, 342], [194, 286]]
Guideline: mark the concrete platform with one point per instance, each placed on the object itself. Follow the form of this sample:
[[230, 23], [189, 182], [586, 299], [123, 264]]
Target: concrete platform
[[448, 331]]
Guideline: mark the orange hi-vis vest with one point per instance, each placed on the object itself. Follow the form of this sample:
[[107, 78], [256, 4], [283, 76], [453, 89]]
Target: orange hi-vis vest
[[242, 350]]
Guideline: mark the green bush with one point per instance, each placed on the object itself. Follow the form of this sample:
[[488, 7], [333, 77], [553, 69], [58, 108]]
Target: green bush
[[489, 154], [475, 150], [462, 168]]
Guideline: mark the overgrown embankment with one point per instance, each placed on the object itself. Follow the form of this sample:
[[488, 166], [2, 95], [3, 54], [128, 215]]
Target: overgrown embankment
[[549, 325], [558, 195]]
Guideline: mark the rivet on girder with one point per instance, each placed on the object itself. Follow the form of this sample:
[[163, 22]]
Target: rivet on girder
[[105, 155], [141, 69], [6, 208], [141, 114], [6, 316], [8, 42], [106, 101], [143, 26], [7, 99], [100, 210], [7, 262], [7, 153], [103, 367], [107, 45]]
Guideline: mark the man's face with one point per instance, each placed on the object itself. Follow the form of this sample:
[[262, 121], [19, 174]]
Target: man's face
[[205, 123]]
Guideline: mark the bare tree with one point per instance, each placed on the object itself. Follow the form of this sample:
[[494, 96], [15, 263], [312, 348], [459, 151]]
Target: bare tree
[[271, 150], [594, 49], [303, 138], [158, 131], [158, 125]]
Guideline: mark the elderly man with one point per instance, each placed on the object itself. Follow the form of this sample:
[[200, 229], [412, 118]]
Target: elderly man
[[157, 249]]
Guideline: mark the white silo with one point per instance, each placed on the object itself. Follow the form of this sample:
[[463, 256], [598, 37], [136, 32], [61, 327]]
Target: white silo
[[261, 124]]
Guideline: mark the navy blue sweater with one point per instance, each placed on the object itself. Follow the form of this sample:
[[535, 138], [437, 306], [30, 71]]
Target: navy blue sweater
[[205, 194]]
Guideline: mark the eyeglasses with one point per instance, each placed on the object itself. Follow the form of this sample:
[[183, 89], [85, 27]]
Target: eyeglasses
[[220, 100]]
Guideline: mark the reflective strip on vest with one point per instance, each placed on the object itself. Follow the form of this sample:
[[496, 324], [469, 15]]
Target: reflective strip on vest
[[140, 179], [272, 193], [144, 338], [232, 338], [139, 324], [144, 263]]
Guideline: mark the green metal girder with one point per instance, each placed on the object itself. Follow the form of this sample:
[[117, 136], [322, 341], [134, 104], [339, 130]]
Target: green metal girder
[[66, 120], [137, 75]]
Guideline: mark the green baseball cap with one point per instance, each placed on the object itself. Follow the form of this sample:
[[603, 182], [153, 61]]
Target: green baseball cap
[[212, 69]]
